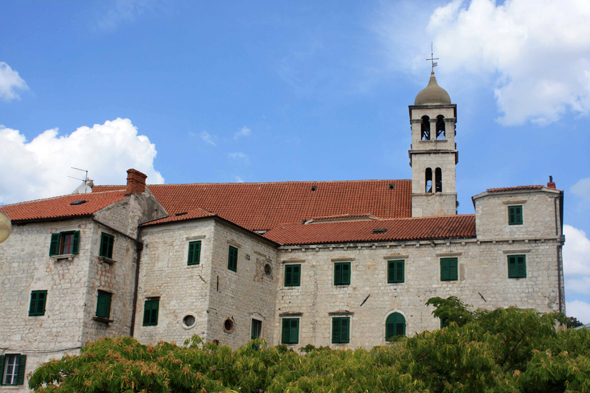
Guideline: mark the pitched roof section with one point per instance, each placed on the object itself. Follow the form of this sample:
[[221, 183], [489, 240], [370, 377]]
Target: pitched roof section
[[182, 216], [517, 188], [419, 228], [61, 207], [263, 206]]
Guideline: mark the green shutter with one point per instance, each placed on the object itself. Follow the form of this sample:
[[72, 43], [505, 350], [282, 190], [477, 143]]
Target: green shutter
[[76, 242], [400, 271], [292, 275], [517, 266], [285, 336], [521, 263], [395, 271], [33, 305], [37, 305], [335, 330], [444, 270], [390, 272], [22, 362], [106, 245], [389, 330], [453, 269], [150, 312], [232, 259], [395, 325], [194, 253], [346, 273], [337, 273], [449, 269], [54, 245], [345, 330], [1, 369], [515, 215], [512, 266], [294, 333], [103, 305], [297, 275]]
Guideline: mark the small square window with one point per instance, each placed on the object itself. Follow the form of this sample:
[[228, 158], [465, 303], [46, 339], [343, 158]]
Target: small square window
[[515, 215], [232, 259], [449, 269], [516, 266], [107, 243], [37, 306], [340, 330], [290, 331], [395, 272], [342, 273], [292, 275], [103, 305], [13, 369], [150, 312], [194, 253]]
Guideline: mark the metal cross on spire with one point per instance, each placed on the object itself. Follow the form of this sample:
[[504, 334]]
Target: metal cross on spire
[[432, 58]]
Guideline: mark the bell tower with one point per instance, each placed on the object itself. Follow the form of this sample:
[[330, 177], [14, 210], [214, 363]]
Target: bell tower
[[433, 153]]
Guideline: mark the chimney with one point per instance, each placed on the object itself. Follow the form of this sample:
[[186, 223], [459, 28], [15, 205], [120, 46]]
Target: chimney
[[135, 182], [551, 183]]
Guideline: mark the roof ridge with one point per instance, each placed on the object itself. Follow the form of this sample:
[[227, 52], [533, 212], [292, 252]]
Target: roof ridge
[[267, 182], [55, 197]]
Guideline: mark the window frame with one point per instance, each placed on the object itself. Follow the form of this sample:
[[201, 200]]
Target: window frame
[[258, 324], [519, 269], [232, 259], [194, 247], [339, 273], [515, 217], [338, 326], [56, 243], [289, 329], [106, 241], [18, 376], [395, 279], [289, 281], [391, 320], [449, 276], [101, 297], [35, 303], [147, 311]]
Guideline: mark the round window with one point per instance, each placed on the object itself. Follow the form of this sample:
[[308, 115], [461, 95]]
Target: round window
[[267, 269], [189, 320], [228, 325]]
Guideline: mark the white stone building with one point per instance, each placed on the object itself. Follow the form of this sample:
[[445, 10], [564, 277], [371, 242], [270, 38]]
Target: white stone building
[[344, 264]]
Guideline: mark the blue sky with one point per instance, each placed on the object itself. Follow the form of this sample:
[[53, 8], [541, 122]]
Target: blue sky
[[270, 91]]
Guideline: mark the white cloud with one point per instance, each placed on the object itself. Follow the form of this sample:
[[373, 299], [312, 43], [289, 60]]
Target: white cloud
[[10, 81], [207, 138], [245, 131], [238, 154], [576, 252], [537, 52], [578, 285], [39, 168], [578, 309], [121, 11], [582, 189], [238, 179]]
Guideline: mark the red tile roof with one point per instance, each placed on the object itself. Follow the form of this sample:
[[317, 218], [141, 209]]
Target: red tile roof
[[517, 188], [263, 206], [419, 228], [182, 216], [60, 207]]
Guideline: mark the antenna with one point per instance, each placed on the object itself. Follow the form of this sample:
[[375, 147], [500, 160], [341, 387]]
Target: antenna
[[432, 58], [87, 184], [82, 170]]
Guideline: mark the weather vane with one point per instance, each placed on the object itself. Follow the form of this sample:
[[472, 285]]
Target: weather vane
[[432, 58]]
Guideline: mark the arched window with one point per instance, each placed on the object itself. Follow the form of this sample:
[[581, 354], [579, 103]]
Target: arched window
[[440, 127], [428, 180], [395, 325], [438, 179], [425, 128]]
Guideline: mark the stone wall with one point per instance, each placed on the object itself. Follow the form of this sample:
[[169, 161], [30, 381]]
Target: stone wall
[[369, 299]]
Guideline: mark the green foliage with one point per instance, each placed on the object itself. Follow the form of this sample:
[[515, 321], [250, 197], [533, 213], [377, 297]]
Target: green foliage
[[505, 350]]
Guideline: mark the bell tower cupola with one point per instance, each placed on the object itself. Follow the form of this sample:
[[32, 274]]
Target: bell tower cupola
[[433, 153]]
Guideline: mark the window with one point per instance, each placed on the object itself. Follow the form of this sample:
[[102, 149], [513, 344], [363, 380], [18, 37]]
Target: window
[[438, 180], [428, 180], [395, 272], [150, 312], [342, 273], [444, 322], [37, 306], [194, 253], [292, 275], [232, 259], [448, 269], [106, 245], [103, 305], [340, 330], [515, 215], [516, 266], [256, 329], [63, 243], [395, 325], [425, 128], [440, 127], [13, 369], [290, 331]]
